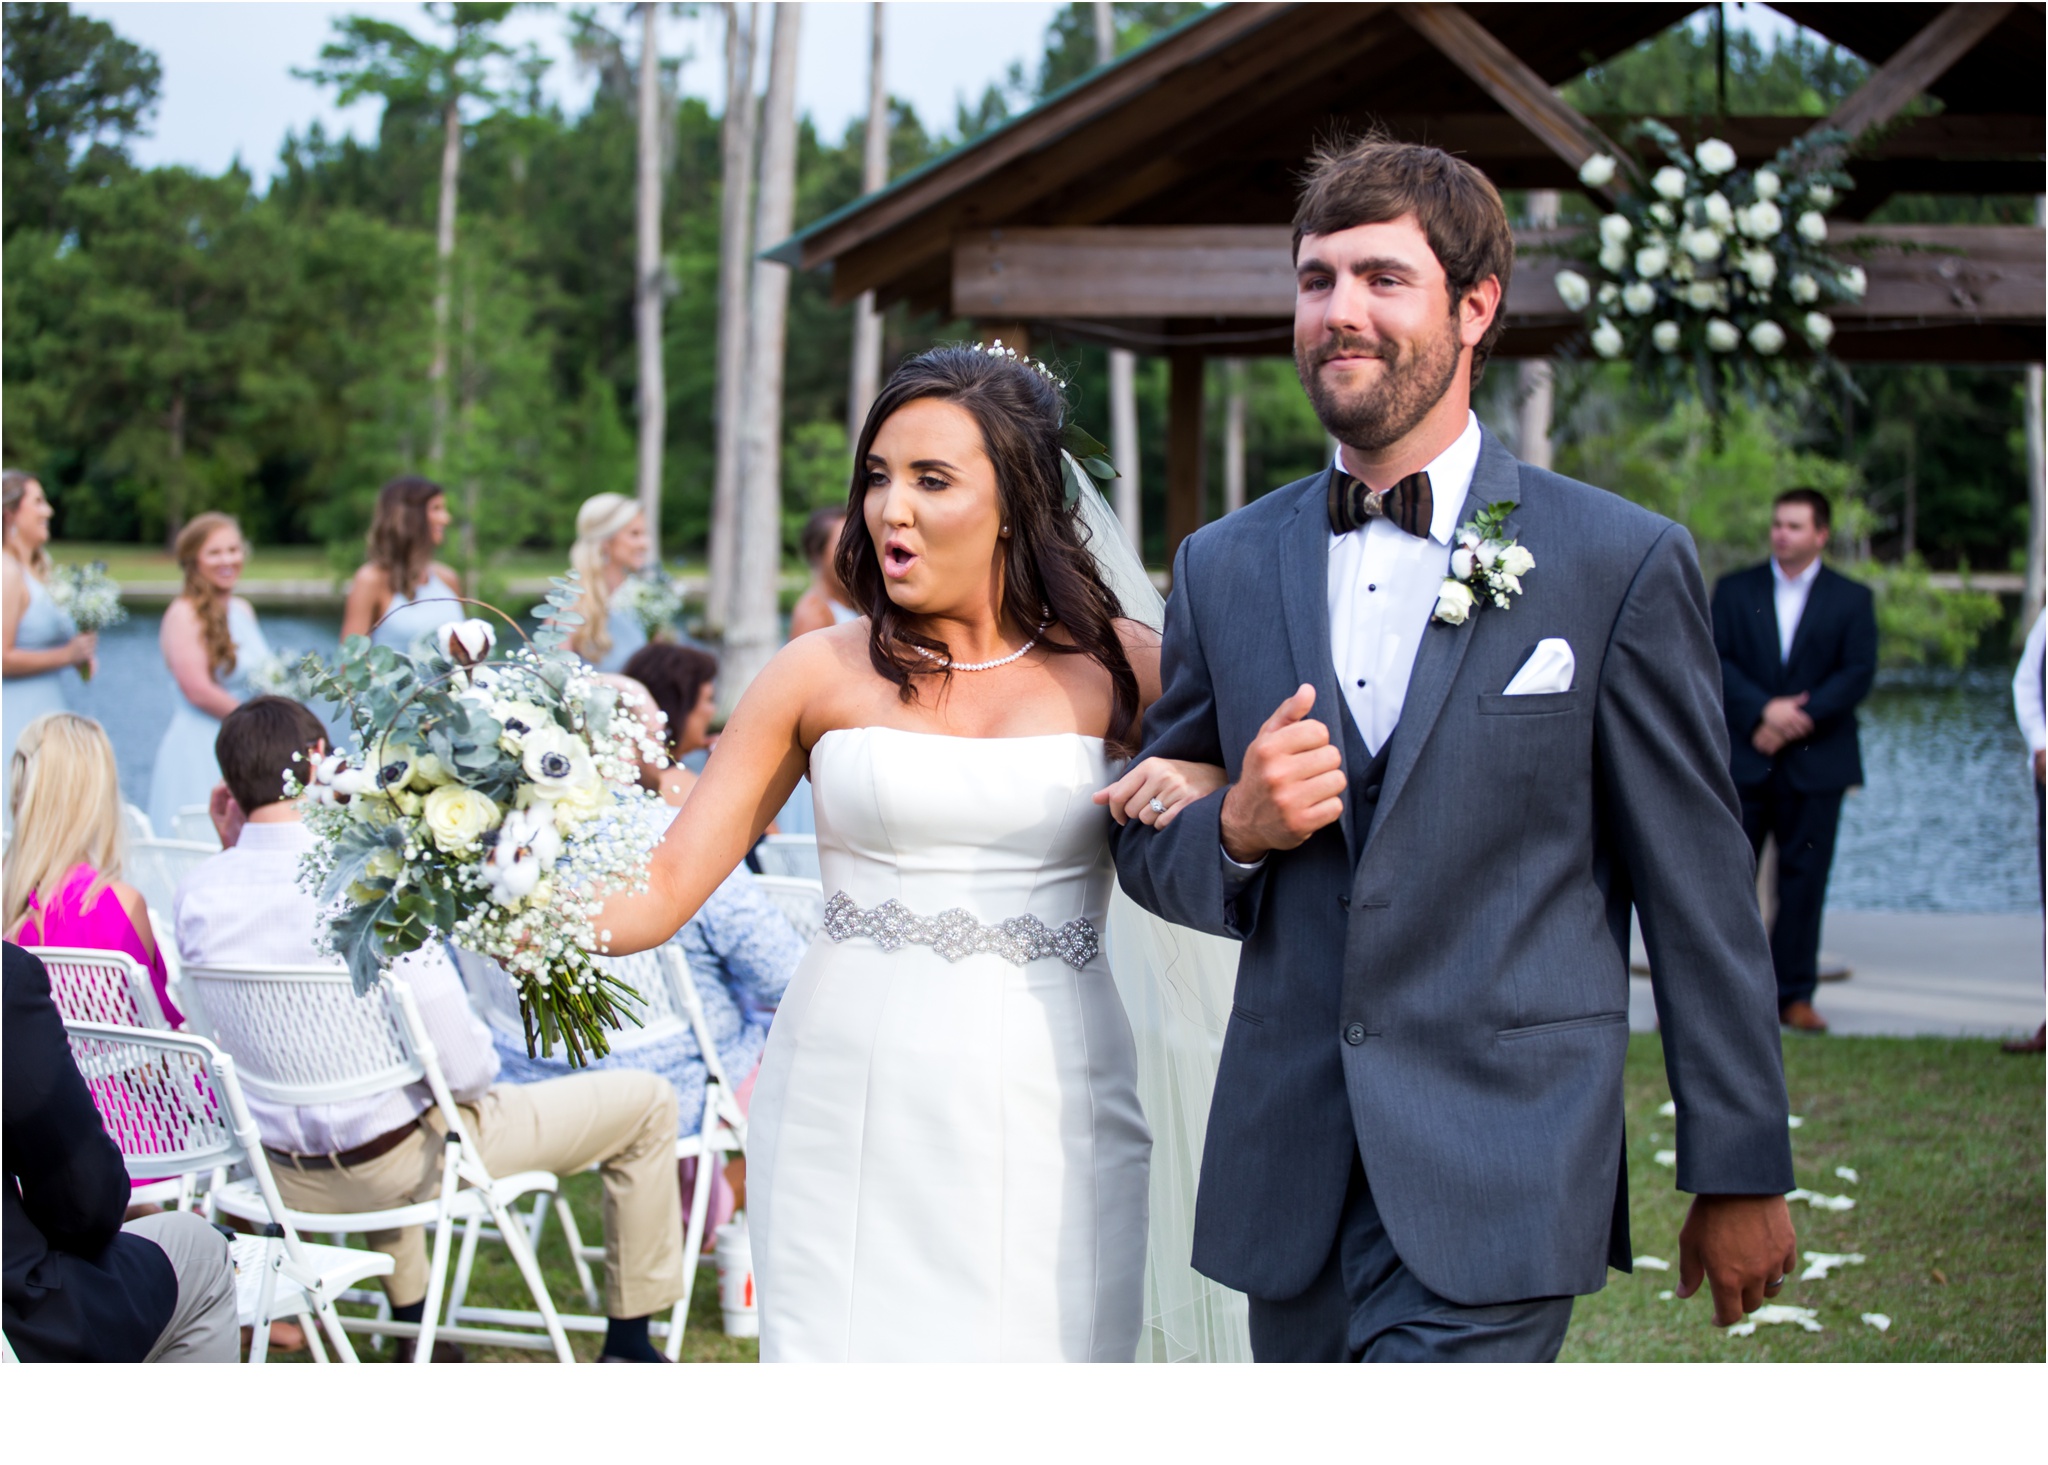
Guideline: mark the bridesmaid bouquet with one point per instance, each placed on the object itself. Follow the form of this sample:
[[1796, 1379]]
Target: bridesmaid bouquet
[[493, 804], [90, 596], [279, 676], [654, 598]]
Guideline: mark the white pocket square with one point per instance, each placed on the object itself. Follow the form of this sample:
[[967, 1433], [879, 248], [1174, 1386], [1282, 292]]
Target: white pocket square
[[1548, 669]]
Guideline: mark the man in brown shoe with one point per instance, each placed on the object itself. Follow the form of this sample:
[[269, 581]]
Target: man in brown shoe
[[1798, 646]]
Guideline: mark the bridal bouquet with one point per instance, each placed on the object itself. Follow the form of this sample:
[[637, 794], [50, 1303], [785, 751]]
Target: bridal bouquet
[[494, 804], [90, 596], [655, 598]]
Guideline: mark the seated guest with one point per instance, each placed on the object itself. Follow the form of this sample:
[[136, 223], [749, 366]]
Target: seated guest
[[741, 951], [681, 679], [245, 907], [63, 883], [81, 1287]]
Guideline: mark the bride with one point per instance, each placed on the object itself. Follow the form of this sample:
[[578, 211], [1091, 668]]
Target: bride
[[948, 1157]]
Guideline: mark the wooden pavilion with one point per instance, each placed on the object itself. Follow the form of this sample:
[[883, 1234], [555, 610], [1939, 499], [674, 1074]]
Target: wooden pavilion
[[1147, 205]]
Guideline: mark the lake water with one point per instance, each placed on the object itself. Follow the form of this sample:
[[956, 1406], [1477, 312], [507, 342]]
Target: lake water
[[1946, 822]]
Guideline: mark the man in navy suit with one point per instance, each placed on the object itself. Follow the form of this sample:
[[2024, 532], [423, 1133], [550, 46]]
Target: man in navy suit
[[1798, 646]]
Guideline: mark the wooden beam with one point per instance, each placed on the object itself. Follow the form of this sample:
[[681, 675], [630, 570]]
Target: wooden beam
[[1527, 97], [1944, 41], [1185, 448]]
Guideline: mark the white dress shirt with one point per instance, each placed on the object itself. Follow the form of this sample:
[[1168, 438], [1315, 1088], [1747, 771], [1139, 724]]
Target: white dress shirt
[[1383, 584], [1789, 592], [244, 907], [2027, 699]]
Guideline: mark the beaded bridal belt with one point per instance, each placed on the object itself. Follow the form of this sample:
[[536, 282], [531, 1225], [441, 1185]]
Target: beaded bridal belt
[[955, 933]]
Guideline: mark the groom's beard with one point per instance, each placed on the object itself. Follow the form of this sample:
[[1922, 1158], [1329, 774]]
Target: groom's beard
[[1372, 417]]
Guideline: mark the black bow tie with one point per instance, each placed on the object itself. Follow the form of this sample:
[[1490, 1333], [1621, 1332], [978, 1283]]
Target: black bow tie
[[1407, 505]]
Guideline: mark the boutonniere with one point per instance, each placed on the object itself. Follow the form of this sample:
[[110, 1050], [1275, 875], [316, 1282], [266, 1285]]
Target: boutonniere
[[1487, 564]]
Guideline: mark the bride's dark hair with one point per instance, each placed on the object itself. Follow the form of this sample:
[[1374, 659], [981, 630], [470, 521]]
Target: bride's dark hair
[[1047, 566]]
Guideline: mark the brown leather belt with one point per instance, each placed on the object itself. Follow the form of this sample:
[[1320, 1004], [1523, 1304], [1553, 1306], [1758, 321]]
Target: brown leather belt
[[362, 1154]]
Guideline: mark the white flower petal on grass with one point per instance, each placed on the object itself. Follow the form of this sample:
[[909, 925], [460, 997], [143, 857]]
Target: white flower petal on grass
[[1793, 1121], [1877, 1320], [1820, 1263], [1822, 1202], [1667, 1158], [1773, 1313], [1652, 1264], [1669, 1109], [1715, 156], [1843, 1172], [1572, 289], [1666, 1295], [1597, 171]]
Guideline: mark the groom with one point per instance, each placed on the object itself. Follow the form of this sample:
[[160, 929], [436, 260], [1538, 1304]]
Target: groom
[[1436, 828]]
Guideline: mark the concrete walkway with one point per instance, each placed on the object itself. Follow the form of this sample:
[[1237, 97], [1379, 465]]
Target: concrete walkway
[[1915, 973]]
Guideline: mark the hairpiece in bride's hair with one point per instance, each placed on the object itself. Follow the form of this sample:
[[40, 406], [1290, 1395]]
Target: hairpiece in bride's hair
[[1009, 353], [1078, 447]]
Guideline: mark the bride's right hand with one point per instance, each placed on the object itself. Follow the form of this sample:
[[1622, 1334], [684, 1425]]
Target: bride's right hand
[[1171, 781]]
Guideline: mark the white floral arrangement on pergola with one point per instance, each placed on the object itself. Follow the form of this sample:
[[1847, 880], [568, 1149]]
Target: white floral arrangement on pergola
[[1707, 276]]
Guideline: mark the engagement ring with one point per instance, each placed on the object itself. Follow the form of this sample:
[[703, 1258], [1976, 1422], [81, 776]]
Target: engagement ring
[[1156, 807]]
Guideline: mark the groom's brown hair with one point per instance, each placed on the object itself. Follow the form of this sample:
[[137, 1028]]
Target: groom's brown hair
[[1375, 180]]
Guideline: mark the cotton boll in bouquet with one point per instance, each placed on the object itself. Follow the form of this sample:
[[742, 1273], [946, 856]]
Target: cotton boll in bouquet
[[491, 803], [90, 596]]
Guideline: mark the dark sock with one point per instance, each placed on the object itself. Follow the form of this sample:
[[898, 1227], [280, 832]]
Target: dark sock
[[412, 1312], [626, 1338]]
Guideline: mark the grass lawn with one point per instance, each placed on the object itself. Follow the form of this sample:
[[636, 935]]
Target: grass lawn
[[1945, 1135]]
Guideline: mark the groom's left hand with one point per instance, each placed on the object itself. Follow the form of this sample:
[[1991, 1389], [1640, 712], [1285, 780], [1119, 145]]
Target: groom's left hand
[[1742, 1245]]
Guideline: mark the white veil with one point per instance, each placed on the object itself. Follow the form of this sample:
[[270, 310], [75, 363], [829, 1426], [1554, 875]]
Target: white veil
[[1176, 984]]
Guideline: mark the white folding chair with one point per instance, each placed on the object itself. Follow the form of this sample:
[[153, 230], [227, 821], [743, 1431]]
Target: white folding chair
[[303, 1037], [193, 823], [794, 855], [173, 1103], [155, 866], [802, 902], [138, 823], [101, 986]]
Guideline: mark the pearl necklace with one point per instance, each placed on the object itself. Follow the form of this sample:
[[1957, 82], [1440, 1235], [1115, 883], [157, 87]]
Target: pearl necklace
[[985, 665]]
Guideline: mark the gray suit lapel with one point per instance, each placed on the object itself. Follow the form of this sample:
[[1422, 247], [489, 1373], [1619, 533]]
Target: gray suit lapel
[[1496, 479], [1305, 597]]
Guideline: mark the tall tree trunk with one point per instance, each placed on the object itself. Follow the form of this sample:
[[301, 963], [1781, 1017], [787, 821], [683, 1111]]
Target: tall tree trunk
[[754, 631], [1123, 365], [472, 489], [174, 481], [444, 262], [1233, 436], [736, 139], [865, 375], [2037, 520], [651, 281]]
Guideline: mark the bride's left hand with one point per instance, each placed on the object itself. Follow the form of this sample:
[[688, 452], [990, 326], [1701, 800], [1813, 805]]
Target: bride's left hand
[[1173, 783]]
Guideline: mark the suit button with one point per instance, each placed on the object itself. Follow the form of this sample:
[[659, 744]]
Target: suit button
[[1345, 901], [1372, 793], [1355, 1034]]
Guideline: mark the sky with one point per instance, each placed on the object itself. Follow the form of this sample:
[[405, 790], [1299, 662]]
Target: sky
[[228, 90]]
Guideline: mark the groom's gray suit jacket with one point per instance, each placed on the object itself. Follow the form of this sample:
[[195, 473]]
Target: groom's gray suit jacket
[[1454, 1002]]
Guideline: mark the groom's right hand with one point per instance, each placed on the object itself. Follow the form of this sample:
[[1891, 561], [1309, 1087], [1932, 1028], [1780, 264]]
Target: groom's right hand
[[1292, 784]]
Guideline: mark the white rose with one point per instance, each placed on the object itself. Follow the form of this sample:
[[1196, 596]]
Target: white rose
[[1768, 337], [554, 759], [1767, 183], [1715, 156], [1614, 229], [1821, 195], [1664, 336], [1805, 288], [1720, 213], [1761, 266], [518, 719], [1454, 603], [1572, 289], [1462, 564], [1639, 298], [1854, 281], [1818, 328], [1650, 261], [1661, 212], [1516, 561], [1701, 244], [466, 642], [1812, 227], [1607, 340], [384, 864], [1761, 220], [1682, 266], [1609, 293], [1669, 183], [1613, 258], [1722, 335], [1702, 295], [585, 798], [1597, 171], [458, 817]]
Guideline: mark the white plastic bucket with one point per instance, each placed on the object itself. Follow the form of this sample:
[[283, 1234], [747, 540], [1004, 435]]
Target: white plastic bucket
[[735, 1258]]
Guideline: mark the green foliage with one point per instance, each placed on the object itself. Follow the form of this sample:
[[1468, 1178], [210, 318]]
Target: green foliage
[[1070, 54], [1921, 625], [75, 94], [1673, 74]]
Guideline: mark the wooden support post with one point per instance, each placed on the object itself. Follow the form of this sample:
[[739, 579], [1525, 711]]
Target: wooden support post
[[1184, 448]]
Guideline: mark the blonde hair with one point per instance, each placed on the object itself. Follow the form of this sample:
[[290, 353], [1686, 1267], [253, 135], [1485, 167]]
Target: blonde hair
[[14, 487], [207, 598], [602, 516], [66, 797]]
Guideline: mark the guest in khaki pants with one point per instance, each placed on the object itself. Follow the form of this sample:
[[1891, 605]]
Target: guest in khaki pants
[[244, 906]]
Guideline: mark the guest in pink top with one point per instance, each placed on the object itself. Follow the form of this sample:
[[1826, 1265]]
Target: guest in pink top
[[63, 867]]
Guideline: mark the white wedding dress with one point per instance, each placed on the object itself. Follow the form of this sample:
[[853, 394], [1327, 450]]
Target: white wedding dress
[[947, 1156]]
